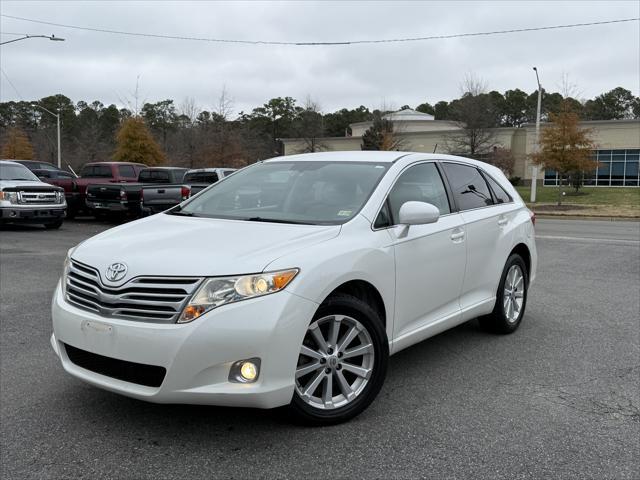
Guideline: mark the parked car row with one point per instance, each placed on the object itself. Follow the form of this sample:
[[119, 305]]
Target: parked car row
[[111, 188]]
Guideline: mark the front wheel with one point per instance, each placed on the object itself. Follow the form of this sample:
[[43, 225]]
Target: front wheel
[[342, 362], [511, 298]]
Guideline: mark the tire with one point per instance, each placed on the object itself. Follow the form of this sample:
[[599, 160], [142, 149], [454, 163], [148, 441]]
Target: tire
[[53, 225], [328, 363], [510, 302]]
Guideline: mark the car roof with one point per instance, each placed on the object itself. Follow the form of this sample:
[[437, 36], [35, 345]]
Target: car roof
[[166, 168], [345, 156], [372, 156], [212, 169]]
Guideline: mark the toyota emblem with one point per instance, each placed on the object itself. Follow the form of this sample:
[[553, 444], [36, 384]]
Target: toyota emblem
[[116, 271]]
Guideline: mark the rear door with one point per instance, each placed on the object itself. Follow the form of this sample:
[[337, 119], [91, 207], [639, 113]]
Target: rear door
[[430, 259], [487, 234]]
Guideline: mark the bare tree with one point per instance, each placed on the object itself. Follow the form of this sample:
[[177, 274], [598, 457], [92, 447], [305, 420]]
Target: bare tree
[[476, 118], [310, 126]]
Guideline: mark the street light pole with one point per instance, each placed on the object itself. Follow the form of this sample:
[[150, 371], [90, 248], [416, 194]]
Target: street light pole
[[57, 115], [53, 38], [534, 168]]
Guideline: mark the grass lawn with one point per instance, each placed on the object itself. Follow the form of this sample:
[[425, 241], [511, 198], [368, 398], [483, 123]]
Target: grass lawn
[[597, 201]]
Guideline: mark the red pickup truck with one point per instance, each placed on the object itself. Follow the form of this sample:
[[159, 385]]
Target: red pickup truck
[[97, 172]]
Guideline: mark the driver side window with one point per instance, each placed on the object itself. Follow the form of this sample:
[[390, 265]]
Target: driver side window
[[420, 183]]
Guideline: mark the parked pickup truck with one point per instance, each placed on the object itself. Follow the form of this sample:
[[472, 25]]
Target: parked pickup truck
[[155, 198], [26, 199], [125, 199]]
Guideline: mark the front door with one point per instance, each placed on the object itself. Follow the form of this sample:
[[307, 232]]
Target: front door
[[430, 259]]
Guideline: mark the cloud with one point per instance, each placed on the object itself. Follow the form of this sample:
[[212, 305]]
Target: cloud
[[91, 65]]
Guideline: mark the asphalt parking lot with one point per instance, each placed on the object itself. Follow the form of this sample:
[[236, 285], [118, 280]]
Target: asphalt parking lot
[[560, 398]]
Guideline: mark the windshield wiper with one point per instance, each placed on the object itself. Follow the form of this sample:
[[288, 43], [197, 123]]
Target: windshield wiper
[[181, 213], [275, 220]]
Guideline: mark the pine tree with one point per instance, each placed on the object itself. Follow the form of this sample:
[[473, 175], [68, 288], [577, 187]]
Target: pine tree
[[380, 136], [135, 144], [566, 148], [16, 145]]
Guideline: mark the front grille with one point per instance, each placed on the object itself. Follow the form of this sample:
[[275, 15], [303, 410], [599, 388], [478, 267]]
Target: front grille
[[37, 198], [150, 299], [147, 375]]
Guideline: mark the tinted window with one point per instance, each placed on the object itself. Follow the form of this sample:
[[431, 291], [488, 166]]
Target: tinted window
[[201, 177], [65, 175], [498, 191], [154, 176], [226, 173], [420, 183], [96, 171], [469, 188], [126, 171]]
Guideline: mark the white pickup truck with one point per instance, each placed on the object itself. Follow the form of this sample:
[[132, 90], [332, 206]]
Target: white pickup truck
[[24, 198]]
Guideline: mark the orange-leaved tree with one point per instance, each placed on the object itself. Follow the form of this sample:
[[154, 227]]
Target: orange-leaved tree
[[16, 145], [566, 148], [134, 143]]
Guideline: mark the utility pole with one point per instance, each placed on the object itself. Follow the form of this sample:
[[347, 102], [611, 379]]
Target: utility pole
[[534, 168], [57, 115]]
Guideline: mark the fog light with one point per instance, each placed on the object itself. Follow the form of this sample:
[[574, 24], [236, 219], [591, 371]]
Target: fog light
[[245, 371], [249, 371]]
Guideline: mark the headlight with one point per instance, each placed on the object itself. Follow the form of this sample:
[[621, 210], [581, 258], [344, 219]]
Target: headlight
[[65, 270], [11, 197], [215, 292], [59, 197]]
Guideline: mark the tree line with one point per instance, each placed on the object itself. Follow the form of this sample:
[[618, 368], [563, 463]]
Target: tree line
[[185, 135]]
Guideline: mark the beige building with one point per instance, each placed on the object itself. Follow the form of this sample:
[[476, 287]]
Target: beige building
[[618, 145]]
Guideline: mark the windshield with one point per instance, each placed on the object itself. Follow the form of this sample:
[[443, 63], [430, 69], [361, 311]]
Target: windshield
[[96, 171], [307, 192], [13, 171]]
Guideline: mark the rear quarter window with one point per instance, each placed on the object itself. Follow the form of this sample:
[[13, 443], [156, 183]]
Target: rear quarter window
[[500, 193]]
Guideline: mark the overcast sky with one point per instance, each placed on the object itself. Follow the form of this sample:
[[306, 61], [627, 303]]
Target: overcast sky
[[91, 65]]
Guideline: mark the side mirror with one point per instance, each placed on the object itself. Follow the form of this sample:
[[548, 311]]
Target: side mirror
[[418, 213]]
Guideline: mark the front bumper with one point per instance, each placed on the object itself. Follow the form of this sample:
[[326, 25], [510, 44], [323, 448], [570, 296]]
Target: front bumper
[[197, 356], [21, 213]]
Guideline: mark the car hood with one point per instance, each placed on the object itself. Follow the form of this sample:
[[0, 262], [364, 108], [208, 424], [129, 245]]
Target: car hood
[[168, 245], [22, 183]]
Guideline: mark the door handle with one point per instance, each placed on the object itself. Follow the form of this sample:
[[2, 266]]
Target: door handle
[[457, 235], [502, 221]]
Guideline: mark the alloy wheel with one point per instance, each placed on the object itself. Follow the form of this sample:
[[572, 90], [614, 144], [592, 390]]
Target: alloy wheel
[[513, 296], [335, 362]]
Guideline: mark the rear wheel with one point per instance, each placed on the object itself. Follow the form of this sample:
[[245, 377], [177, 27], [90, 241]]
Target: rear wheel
[[342, 362], [511, 298]]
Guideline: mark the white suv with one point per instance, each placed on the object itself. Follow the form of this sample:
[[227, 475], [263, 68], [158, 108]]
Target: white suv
[[291, 282]]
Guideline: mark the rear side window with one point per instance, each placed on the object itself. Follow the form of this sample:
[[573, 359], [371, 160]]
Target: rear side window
[[420, 183], [126, 171], [469, 187], [501, 195], [226, 173]]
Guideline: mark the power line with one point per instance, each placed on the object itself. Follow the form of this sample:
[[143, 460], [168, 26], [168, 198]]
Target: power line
[[11, 83], [334, 43]]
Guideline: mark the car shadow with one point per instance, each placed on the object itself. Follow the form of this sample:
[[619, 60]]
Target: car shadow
[[177, 418]]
